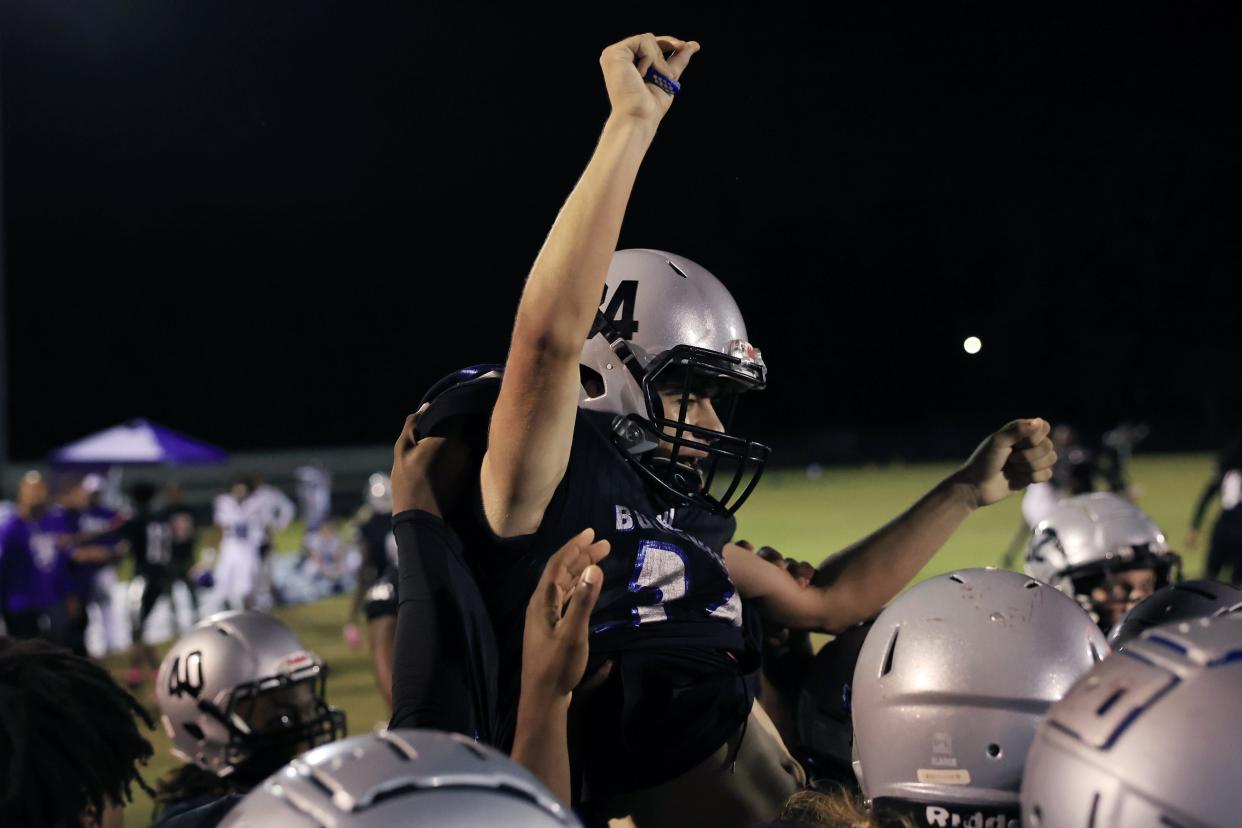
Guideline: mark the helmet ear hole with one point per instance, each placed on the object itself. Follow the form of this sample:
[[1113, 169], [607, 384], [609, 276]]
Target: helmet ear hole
[[592, 381]]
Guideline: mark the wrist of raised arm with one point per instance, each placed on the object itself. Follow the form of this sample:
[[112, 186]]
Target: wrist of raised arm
[[629, 129]]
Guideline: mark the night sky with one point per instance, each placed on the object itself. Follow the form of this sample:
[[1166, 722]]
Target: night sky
[[275, 224]]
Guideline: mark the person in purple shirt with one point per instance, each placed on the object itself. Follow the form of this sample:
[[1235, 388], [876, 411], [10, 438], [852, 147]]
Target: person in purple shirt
[[34, 577], [89, 530]]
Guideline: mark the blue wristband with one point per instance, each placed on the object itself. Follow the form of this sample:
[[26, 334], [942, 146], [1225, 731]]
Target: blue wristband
[[669, 85]]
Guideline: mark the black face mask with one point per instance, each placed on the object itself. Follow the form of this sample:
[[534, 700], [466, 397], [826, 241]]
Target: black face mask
[[290, 727], [723, 480]]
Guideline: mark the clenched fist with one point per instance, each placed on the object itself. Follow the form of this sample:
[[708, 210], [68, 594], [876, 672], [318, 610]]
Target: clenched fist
[[1010, 460], [626, 63]]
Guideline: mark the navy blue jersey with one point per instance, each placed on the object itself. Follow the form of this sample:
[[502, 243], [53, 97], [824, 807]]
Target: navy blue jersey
[[665, 581]]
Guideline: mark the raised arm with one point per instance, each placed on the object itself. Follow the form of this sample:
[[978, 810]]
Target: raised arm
[[856, 583], [532, 423]]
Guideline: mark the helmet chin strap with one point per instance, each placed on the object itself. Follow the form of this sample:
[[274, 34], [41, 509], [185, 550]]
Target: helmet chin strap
[[603, 326], [631, 435]]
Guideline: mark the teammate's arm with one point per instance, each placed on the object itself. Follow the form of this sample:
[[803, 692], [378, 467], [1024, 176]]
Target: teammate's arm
[[856, 583], [532, 422], [554, 657]]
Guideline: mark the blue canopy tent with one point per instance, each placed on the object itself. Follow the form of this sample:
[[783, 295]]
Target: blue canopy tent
[[137, 442]]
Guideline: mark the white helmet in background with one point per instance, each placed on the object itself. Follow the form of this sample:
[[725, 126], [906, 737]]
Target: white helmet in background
[[1150, 737], [664, 321], [379, 493], [402, 777], [240, 694], [1089, 538]]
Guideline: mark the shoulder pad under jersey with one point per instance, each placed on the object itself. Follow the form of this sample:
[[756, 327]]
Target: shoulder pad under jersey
[[469, 392]]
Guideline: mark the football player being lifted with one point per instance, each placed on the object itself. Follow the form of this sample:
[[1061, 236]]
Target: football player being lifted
[[628, 435]]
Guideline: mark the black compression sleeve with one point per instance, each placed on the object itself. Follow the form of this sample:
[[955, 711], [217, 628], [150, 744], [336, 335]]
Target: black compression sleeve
[[431, 685]]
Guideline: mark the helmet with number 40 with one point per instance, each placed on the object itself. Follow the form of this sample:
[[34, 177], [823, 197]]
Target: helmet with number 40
[[240, 695]]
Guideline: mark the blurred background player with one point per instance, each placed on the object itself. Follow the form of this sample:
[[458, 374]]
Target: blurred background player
[[99, 523], [950, 686], [35, 586], [1225, 550], [243, 531], [274, 511], [183, 525], [1104, 551], [71, 744], [240, 696], [149, 538], [373, 527], [88, 530], [314, 491]]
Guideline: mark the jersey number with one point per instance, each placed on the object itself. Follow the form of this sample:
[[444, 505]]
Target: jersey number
[[620, 310], [660, 576]]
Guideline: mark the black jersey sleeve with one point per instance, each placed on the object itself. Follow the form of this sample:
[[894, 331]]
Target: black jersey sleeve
[[444, 659]]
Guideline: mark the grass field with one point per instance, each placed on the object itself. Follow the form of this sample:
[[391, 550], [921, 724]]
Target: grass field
[[802, 518]]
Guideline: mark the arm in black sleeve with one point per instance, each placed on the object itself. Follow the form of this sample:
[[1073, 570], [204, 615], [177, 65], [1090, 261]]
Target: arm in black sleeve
[[1209, 492], [431, 677]]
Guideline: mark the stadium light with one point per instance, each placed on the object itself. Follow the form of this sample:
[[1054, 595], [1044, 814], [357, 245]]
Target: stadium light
[[972, 345]]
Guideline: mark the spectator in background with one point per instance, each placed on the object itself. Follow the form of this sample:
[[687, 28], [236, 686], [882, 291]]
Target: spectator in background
[[181, 522], [1225, 551], [150, 541], [314, 490], [35, 587], [325, 559], [70, 744]]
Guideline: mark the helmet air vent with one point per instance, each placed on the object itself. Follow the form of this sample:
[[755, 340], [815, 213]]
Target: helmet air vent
[[889, 653], [956, 578], [677, 269]]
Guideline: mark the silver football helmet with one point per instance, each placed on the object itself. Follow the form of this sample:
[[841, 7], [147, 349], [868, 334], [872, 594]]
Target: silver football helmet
[[401, 777], [1176, 602], [1090, 536], [950, 686], [239, 693], [1148, 738], [665, 322]]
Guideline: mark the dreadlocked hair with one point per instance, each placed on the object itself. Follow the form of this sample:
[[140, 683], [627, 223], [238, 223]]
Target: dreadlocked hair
[[69, 742], [189, 782]]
